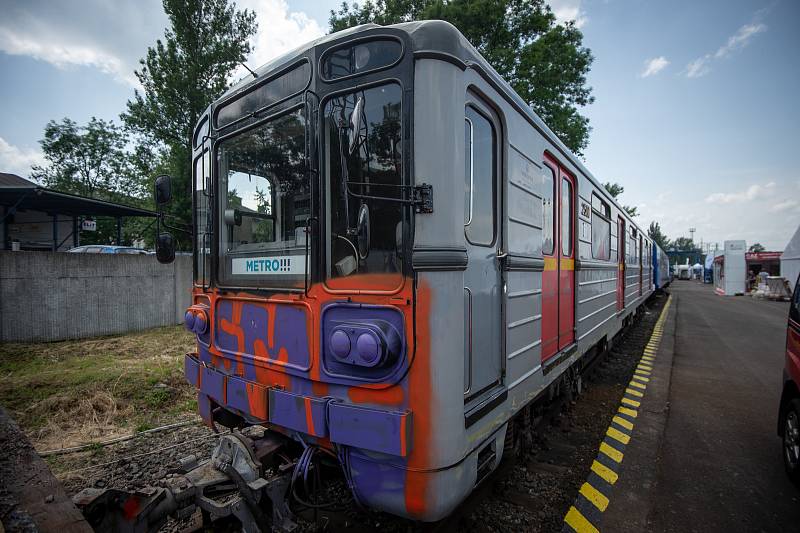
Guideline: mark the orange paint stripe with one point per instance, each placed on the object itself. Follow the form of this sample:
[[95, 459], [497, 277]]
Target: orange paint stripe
[[309, 417]]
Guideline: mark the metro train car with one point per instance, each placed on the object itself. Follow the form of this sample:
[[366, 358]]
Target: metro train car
[[395, 257], [661, 275]]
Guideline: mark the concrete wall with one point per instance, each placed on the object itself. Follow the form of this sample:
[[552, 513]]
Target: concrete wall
[[47, 296]]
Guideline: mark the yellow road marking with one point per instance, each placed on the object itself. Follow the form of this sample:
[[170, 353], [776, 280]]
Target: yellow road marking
[[594, 496], [637, 385], [634, 392], [642, 372], [633, 403], [618, 435], [578, 522], [641, 378], [611, 452], [630, 412], [622, 422], [643, 366], [605, 472]]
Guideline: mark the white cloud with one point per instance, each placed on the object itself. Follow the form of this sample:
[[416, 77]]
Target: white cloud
[[785, 206], [753, 192], [107, 36], [654, 66], [698, 67], [18, 161], [569, 10], [64, 54], [740, 39], [702, 65], [117, 34], [279, 31]]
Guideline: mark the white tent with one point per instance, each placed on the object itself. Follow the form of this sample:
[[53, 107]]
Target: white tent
[[790, 260]]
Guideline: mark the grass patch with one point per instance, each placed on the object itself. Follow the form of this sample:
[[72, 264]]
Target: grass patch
[[70, 392]]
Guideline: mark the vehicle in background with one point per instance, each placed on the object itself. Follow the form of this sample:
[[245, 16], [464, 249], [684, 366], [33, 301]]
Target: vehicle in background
[[789, 413], [108, 249], [683, 272]]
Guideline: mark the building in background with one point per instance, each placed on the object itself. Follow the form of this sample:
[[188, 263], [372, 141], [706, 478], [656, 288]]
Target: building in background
[[33, 217], [790, 259], [730, 269]]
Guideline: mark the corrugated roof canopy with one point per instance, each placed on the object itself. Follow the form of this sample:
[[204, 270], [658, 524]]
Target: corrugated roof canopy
[[20, 193]]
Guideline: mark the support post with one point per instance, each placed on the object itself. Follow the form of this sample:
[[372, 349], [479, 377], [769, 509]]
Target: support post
[[119, 231], [55, 232], [6, 245], [75, 235]]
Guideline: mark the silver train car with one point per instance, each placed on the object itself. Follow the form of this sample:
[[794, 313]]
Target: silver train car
[[395, 259]]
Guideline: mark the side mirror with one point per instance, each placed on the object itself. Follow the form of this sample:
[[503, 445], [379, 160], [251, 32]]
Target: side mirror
[[355, 124], [232, 217], [165, 248], [163, 190]]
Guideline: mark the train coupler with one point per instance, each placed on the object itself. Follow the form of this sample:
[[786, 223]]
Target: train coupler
[[233, 483]]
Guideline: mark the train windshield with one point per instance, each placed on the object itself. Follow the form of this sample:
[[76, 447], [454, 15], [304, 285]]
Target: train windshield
[[265, 204], [363, 157]]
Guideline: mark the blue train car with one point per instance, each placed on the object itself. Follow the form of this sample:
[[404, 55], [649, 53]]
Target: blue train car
[[661, 275]]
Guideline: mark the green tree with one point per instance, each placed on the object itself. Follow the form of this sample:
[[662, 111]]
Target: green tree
[[180, 77], [615, 189], [684, 244], [654, 232], [545, 62], [757, 247], [92, 160], [99, 161]]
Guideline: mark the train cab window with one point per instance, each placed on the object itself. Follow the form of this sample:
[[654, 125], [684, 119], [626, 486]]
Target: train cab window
[[601, 229], [548, 210], [566, 217], [364, 162], [265, 201], [480, 177]]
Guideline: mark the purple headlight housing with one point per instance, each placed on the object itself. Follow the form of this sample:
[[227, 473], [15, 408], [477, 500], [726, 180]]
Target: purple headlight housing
[[367, 343], [362, 342]]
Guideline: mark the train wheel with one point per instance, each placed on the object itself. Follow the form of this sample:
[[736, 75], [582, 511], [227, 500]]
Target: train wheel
[[791, 440]]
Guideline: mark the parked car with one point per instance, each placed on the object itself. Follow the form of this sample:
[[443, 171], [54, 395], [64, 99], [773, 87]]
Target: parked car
[[789, 414], [108, 249]]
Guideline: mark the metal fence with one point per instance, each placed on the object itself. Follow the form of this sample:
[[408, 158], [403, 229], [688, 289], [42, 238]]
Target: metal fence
[[47, 296]]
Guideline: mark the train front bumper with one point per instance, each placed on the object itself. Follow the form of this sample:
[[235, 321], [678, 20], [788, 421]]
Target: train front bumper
[[367, 428]]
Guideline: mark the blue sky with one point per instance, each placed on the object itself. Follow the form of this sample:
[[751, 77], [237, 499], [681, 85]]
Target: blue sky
[[696, 112]]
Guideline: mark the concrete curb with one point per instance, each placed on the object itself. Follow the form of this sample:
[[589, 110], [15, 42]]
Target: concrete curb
[[633, 499]]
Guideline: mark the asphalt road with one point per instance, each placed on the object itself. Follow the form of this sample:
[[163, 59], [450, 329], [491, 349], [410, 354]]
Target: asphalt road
[[719, 466]]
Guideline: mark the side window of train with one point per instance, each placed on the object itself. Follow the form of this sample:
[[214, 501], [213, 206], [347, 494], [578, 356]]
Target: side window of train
[[566, 217], [548, 210], [481, 176], [601, 229]]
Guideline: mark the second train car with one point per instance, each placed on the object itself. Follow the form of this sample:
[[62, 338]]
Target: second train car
[[394, 257]]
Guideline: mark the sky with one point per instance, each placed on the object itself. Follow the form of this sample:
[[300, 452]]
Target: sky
[[695, 114]]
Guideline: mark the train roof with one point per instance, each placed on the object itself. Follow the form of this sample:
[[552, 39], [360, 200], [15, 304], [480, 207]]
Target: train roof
[[441, 40]]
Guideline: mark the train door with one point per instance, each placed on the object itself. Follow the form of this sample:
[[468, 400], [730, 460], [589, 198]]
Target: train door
[[558, 278], [641, 266], [621, 264], [482, 278]]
